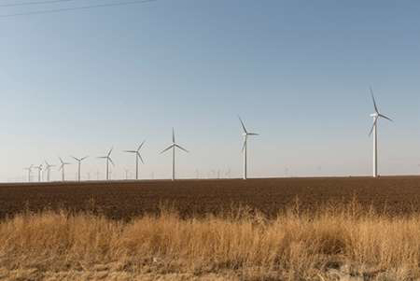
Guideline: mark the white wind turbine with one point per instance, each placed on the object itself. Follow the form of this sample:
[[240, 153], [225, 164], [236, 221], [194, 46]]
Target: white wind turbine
[[245, 134], [138, 156], [127, 171], [62, 168], [108, 159], [374, 130], [173, 146], [29, 169], [79, 162], [39, 168], [48, 169]]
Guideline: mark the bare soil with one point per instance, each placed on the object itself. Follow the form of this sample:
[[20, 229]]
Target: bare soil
[[128, 199]]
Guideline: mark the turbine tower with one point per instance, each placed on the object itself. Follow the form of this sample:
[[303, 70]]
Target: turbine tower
[[79, 162], [138, 156], [173, 146], [29, 169], [62, 168], [108, 159], [245, 134], [48, 169], [39, 168], [374, 130]]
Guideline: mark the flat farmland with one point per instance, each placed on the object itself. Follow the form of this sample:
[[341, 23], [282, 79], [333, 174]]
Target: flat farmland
[[128, 199]]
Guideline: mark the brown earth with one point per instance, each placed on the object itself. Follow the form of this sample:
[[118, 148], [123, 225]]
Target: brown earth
[[127, 199]]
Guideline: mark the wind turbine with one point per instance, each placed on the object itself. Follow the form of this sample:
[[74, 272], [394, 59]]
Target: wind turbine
[[48, 169], [173, 146], [138, 156], [108, 159], [245, 134], [39, 168], [62, 168], [228, 173], [374, 130], [79, 162], [29, 169]]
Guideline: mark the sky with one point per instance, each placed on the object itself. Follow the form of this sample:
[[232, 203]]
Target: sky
[[297, 72]]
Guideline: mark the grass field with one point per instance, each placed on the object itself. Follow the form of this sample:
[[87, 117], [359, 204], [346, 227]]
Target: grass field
[[356, 231], [336, 243]]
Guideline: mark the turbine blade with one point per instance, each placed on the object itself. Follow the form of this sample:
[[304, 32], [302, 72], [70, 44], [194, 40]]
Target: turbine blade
[[141, 145], [110, 160], [373, 126], [141, 159], [243, 125], [373, 99], [180, 147], [245, 142], [75, 158], [102, 157], [61, 160], [110, 151], [166, 149], [173, 135], [130, 151], [84, 158], [253, 134], [387, 118]]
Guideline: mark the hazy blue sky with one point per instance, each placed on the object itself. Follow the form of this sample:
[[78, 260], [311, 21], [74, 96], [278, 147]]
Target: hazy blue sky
[[298, 72]]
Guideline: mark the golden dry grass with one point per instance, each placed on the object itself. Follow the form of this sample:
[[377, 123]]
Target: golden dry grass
[[336, 243]]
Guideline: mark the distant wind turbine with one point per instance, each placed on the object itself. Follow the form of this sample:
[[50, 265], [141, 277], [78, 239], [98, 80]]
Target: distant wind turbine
[[173, 146], [79, 165], [48, 169], [138, 156], [374, 130], [108, 159], [127, 171], [245, 134], [29, 169], [228, 173], [62, 168], [39, 168]]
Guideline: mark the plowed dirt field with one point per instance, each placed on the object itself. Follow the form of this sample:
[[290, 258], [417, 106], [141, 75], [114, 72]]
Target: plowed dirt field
[[127, 199]]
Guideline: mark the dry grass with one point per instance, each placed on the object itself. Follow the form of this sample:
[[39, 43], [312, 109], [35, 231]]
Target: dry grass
[[334, 244]]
